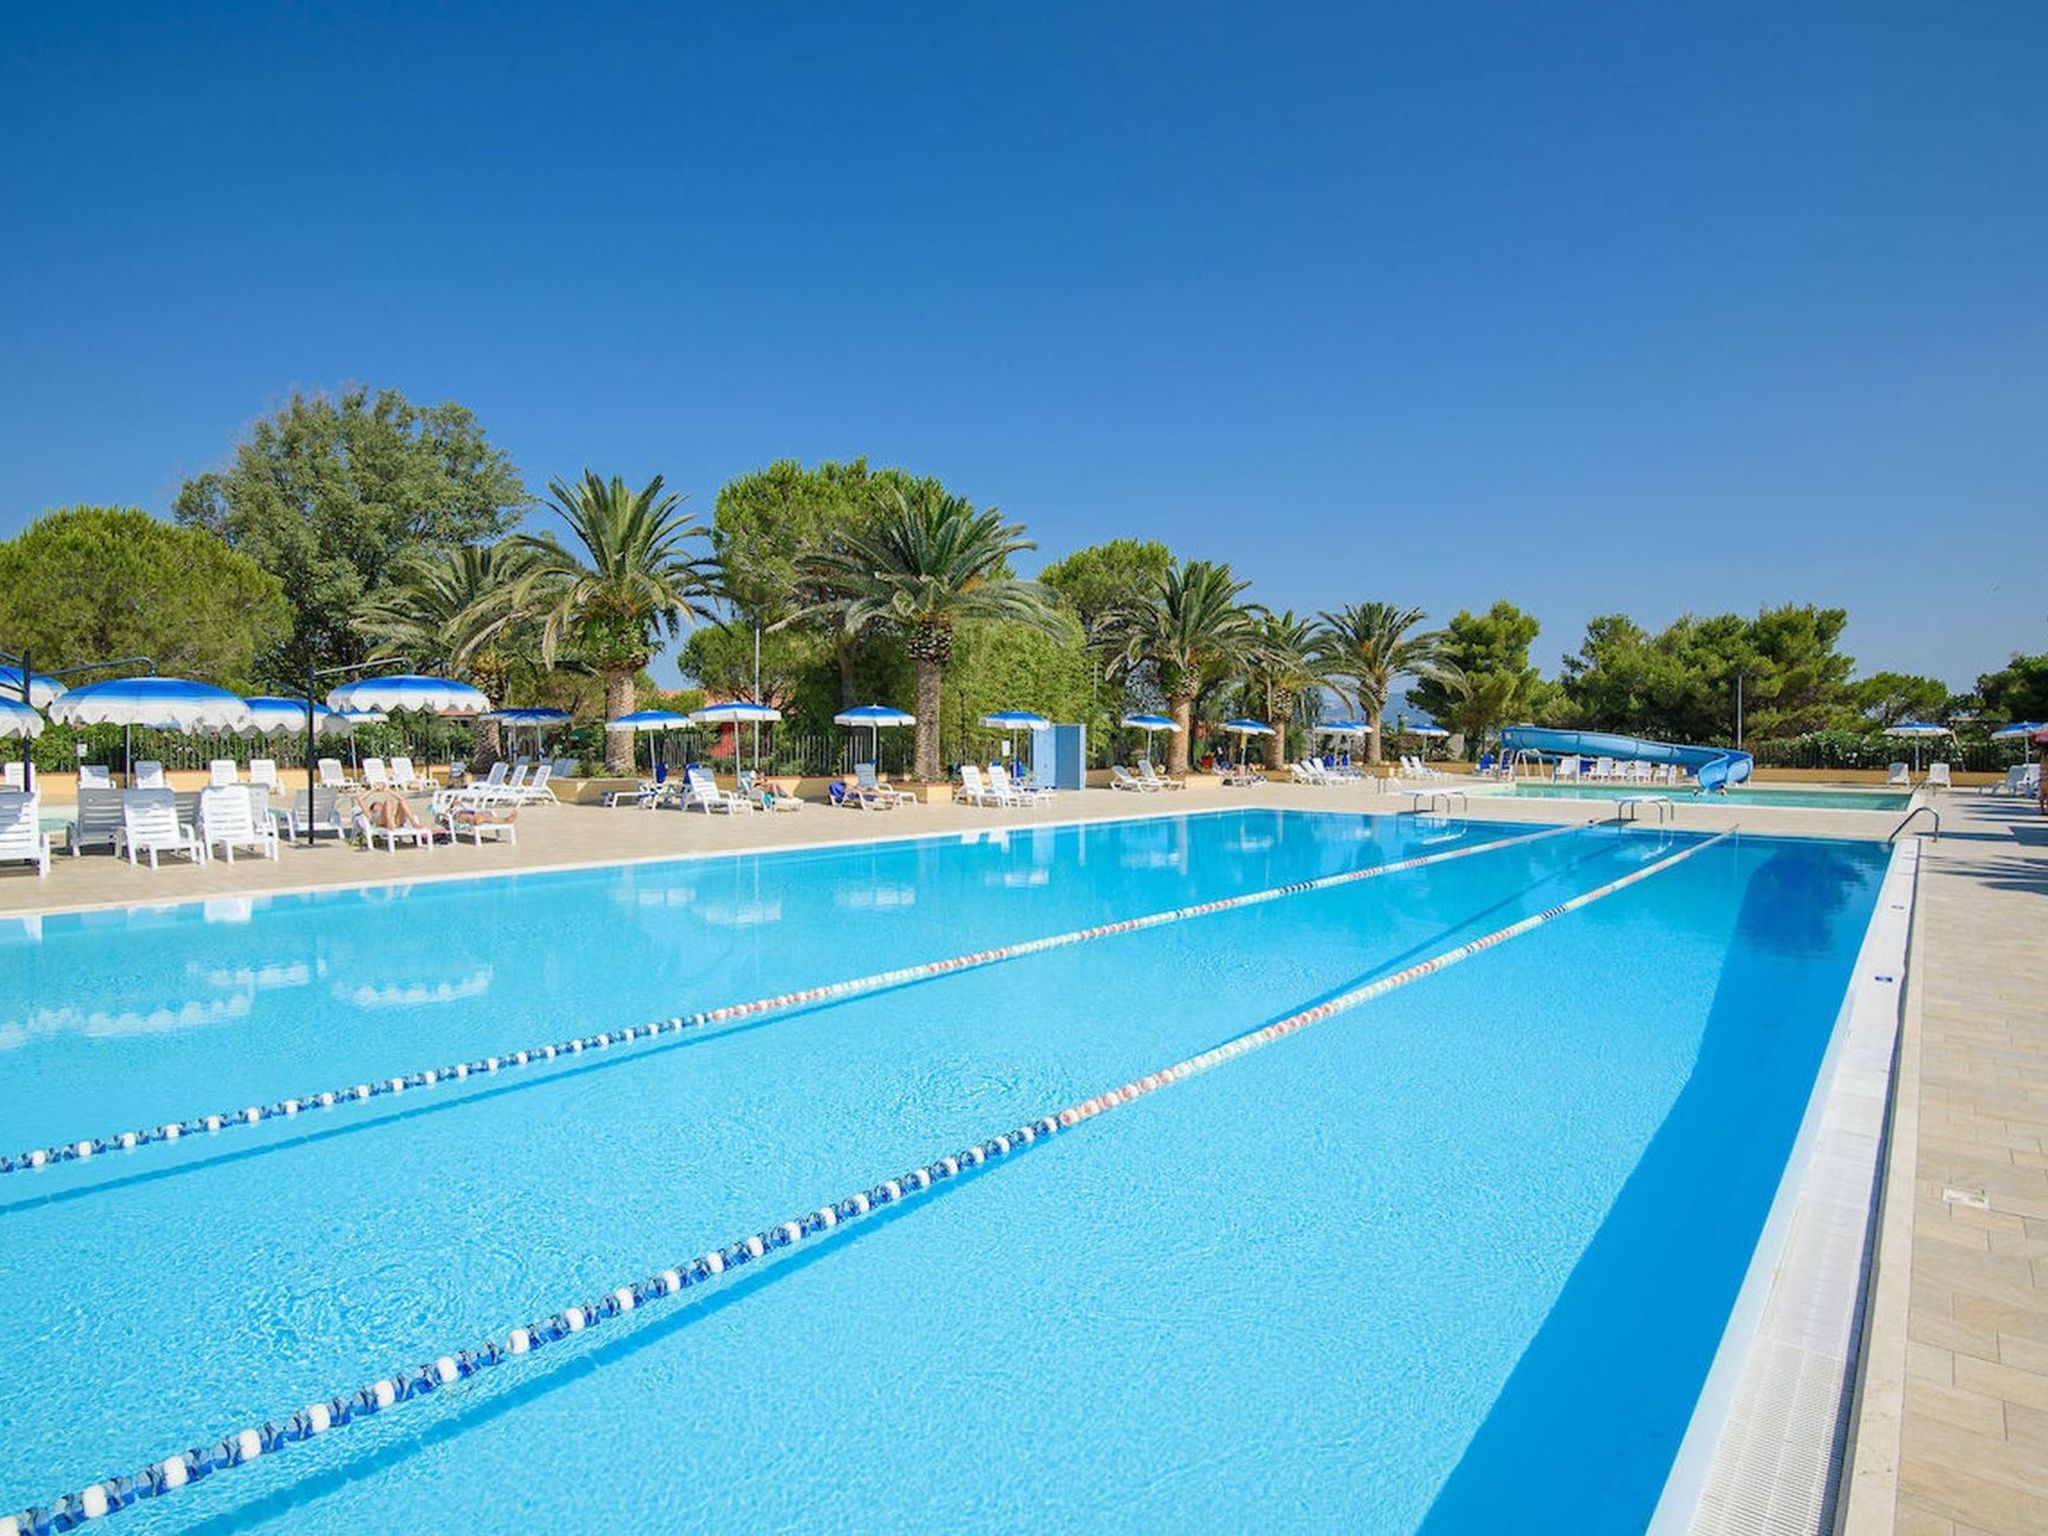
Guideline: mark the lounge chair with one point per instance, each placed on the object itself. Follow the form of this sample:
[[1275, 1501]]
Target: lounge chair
[[331, 776], [419, 836], [851, 797], [95, 819], [14, 776], [1937, 776], [1155, 778], [376, 775], [1019, 793], [149, 774], [767, 796], [22, 838], [149, 824], [263, 775], [459, 813], [226, 823], [2020, 779], [535, 790], [975, 790], [871, 784], [324, 816], [701, 790], [1241, 775], [405, 778], [1121, 777], [565, 767], [94, 776], [221, 771]]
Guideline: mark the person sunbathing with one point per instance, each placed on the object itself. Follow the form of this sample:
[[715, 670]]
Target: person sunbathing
[[388, 810]]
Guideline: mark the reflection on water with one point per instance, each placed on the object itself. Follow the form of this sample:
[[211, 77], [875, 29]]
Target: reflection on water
[[415, 993], [106, 1024], [1796, 898]]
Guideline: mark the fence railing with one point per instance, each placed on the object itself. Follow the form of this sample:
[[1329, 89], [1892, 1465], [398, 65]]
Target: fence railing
[[1832, 750]]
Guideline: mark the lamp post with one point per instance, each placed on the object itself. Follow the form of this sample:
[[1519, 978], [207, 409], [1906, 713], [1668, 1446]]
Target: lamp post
[[23, 666], [313, 676], [1738, 711]]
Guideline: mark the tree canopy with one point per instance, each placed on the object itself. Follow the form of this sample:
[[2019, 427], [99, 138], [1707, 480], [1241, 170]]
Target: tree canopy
[[1680, 685], [1490, 682], [90, 583], [2018, 690], [335, 495]]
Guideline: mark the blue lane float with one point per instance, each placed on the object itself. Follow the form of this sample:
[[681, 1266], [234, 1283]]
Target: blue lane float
[[1712, 767], [113, 1494], [82, 1148]]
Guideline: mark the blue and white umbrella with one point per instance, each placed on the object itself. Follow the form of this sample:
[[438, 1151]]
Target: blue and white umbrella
[[2019, 730], [739, 712], [875, 717], [539, 714], [1015, 720], [17, 720], [1345, 728], [1247, 728], [1150, 724], [1917, 731], [409, 690], [274, 716], [41, 689], [164, 703]]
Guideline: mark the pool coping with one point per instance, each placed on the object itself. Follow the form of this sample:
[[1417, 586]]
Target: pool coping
[[1814, 1268]]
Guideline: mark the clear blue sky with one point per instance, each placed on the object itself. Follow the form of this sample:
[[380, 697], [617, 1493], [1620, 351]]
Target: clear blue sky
[[1594, 307]]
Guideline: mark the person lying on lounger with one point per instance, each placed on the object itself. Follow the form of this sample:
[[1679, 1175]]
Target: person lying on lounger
[[387, 809], [469, 814]]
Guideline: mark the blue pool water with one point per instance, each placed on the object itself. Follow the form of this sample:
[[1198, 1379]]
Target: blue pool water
[[1456, 1260], [1791, 799]]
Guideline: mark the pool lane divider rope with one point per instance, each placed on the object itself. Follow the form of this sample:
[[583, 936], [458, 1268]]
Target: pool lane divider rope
[[81, 1148], [113, 1494]]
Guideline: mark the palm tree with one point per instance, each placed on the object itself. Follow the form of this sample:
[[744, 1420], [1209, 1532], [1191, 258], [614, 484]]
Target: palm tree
[[437, 615], [1286, 661], [930, 562], [1192, 631], [1372, 645], [635, 579]]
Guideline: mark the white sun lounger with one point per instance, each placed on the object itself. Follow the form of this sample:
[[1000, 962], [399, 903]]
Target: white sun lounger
[[150, 825], [1121, 777], [1937, 776], [702, 791], [22, 838], [226, 823], [149, 774], [975, 790]]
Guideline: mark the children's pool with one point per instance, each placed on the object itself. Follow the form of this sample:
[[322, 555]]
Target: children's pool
[[1455, 1259]]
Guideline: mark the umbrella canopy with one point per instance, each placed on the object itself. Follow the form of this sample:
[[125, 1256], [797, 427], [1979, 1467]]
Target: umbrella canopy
[[1015, 720], [1150, 723], [1247, 728], [874, 715], [1345, 728], [351, 718], [1917, 728], [18, 720], [41, 689], [408, 690], [2019, 730], [272, 716], [738, 712], [649, 720], [538, 714], [1432, 731], [165, 703]]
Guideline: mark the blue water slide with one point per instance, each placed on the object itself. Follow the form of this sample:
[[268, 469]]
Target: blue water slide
[[1713, 767]]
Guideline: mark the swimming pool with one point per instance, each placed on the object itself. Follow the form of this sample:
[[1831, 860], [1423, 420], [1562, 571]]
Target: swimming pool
[[1455, 1259], [1791, 799]]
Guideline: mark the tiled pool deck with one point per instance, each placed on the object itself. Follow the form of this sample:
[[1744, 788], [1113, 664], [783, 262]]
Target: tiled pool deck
[[1953, 1419]]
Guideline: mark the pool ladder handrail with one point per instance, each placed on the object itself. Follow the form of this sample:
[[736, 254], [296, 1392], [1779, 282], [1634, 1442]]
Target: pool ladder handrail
[[1916, 811]]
